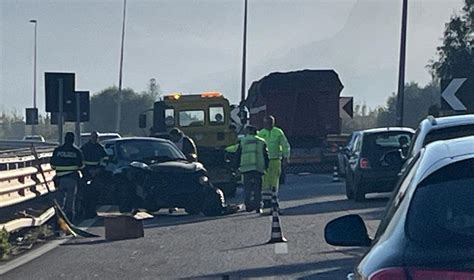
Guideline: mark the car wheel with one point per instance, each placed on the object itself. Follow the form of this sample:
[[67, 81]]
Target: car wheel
[[214, 203], [359, 193]]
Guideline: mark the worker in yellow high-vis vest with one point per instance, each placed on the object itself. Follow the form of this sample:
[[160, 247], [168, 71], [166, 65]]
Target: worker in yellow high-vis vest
[[278, 153], [253, 154]]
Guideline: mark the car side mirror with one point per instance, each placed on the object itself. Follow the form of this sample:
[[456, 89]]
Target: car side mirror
[[348, 230]]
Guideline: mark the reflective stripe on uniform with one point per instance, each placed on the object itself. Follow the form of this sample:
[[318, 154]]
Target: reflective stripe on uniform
[[91, 162], [65, 170]]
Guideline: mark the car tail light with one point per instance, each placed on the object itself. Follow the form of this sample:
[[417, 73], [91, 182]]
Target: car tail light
[[364, 163], [426, 274], [397, 273], [393, 273]]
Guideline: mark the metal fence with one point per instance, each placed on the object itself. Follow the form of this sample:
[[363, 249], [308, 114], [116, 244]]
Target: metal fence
[[23, 186]]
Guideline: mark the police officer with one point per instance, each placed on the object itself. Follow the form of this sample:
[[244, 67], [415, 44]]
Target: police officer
[[67, 161], [279, 154], [94, 153], [253, 164]]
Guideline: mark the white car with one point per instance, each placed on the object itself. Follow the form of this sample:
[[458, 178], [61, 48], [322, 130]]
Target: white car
[[433, 129], [36, 138]]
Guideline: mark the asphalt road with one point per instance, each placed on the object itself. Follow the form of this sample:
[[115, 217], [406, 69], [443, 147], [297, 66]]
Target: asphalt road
[[231, 247]]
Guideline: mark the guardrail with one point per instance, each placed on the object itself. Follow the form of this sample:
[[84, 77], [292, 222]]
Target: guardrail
[[22, 184], [18, 144]]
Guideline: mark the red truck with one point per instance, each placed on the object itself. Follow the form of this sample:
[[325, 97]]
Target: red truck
[[306, 106]]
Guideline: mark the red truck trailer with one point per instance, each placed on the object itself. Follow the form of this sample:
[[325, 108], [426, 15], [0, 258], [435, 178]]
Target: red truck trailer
[[306, 106]]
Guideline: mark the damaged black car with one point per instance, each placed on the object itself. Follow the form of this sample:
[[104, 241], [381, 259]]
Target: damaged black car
[[153, 174]]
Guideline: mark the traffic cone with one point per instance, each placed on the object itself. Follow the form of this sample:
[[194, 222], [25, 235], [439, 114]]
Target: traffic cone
[[335, 174], [275, 204], [276, 234]]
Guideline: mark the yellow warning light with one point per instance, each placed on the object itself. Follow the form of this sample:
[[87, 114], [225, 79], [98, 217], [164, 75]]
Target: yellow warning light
[[211, 94], [175, 96]]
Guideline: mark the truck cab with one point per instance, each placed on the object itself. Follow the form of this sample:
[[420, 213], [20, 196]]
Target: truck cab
[[206, 118]]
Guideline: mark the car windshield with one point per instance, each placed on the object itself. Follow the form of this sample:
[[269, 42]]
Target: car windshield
[[148, 151], [442, 209]]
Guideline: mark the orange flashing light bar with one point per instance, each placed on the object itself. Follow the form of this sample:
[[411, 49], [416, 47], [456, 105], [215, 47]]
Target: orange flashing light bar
[[211, 94]]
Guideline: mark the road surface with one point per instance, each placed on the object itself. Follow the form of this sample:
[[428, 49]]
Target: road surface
[[231, 247]]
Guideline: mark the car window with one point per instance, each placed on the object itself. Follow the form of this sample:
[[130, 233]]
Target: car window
[[398, 195], [148, 150], [191, 118], [216, 115], [169, 117], [449, 133], [375, 145], [357, 142], [442, 212]]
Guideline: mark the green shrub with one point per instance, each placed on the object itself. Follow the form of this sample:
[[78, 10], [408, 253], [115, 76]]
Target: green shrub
[[4, 244]]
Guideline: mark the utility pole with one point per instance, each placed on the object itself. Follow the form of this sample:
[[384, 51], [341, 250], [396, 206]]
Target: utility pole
[[119, 101], [35, 22], [243, 117], [401, 67]]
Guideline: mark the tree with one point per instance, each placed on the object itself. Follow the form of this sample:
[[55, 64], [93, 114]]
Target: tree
[[456, 56], [154, 89], [419, 102], [103, 110]]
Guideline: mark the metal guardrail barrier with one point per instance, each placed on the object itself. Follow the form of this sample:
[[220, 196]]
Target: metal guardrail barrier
[[21, 181]]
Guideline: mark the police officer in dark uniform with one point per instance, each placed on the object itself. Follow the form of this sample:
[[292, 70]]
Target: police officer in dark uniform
[[94, 153], [67, 161]]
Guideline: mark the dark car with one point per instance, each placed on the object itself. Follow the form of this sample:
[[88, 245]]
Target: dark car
[[427, 231], [370, 166], [153, 173], [343, 155]]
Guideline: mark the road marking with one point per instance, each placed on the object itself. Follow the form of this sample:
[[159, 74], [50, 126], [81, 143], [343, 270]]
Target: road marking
[[281, 248], [43, 249]]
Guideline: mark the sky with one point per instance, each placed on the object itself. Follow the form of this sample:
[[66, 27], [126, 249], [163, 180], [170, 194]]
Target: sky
[[196, 45]]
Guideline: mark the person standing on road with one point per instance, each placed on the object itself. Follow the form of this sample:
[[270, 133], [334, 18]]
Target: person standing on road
[[279, 154], [67, 161], [184, 143], [94, 153], [253, 164]]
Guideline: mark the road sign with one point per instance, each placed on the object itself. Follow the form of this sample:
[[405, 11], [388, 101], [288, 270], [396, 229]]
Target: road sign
[[31, 116], [346, 104], [52, 91], [458, 94], [84, 107]]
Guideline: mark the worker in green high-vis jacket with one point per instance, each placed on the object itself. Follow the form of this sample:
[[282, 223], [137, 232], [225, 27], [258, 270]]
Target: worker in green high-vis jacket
[[278, 153], [252, 151]]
